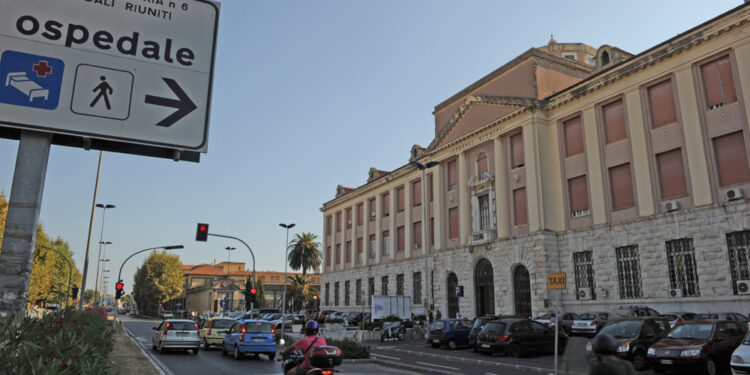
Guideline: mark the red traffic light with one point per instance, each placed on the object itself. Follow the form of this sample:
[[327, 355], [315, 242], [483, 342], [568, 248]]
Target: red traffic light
[[119, 286], [253, 291], [201, 234]]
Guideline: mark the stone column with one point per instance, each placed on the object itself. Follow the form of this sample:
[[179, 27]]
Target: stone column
[[501, 188], [378, 229], [392, 225], [408, 191]]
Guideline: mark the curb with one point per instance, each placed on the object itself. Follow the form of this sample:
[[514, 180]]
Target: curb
[[158, 365], [404, 366]]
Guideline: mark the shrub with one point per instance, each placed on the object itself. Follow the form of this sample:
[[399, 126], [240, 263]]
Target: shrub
[[392, 318], [419, 318], [409, 324], [369, 326], [350, 348], [66, 342]]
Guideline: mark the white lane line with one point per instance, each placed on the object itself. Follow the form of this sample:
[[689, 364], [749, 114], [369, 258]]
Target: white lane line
[[489, 373], [385, 356], [430, 364]]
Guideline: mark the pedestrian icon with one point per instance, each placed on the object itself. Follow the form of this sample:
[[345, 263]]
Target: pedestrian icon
[[30, 80], [104, 91]]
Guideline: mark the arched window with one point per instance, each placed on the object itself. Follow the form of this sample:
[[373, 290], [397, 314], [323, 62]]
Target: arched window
[[605, 58]]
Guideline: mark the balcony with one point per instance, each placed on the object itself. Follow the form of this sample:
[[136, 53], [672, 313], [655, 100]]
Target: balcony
[[482, 237]]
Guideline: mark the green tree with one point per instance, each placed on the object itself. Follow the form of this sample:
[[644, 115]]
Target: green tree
[[260, 295], [300, 292], [126, 299], [158, 280], [3, 214], [305, 253], [91, 296]]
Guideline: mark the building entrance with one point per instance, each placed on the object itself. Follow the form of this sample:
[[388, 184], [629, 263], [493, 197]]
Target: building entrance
[[484, 288], [522, 291], [452, 298]]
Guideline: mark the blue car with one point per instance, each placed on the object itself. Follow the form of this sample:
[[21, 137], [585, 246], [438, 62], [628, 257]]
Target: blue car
[[250, 337], [449, 332]]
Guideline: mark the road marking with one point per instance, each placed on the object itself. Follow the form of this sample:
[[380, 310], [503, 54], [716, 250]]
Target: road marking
[[430, 364], [489, 373], [139, 338], [385, 356]]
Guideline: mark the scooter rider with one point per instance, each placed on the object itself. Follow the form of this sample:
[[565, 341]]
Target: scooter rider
[[605, 348], [304, 344]]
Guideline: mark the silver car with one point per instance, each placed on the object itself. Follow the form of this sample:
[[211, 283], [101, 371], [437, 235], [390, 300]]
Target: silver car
[[589, 323], [176, 334]]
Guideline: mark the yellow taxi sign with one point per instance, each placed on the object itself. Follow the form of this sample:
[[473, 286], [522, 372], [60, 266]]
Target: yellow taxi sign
[[556, 281]]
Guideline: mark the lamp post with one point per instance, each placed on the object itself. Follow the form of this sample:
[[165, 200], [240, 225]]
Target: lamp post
[[425, 243], [286, 261], [104, 207], [100, 280], [103, 283], [98, 264], [229, 254]]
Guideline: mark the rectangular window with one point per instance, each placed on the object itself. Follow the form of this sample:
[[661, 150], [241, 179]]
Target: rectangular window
[[718, 82], [348, 218], [338, 253], [579, 196], [384, 286], [328, 224], [432, 231], [328, 256], [338, 221], [671, 174], [371, 246], [386, 204], [614, 121], [583, 266], [416, 192], [516, 149], [346, 293], [400, 205], [348, 252], [519, 207], [336, 294], [731, 159], [401, 238], [573, 130], [484, 212], [453, 223], [386, 242], [682, 269], [358, 287], [360, 210], [482, 166], [429, 187], [416, 288], [622, 186], [738, 244], [661, 101], [416, 230], [629, 272], [370, 289], [400, 284], [328, 290], [452, 175], [372, 209], [360, 249]]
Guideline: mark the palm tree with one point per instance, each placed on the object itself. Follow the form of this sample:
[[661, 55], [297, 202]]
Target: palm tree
[[305, 253], [301, 291]]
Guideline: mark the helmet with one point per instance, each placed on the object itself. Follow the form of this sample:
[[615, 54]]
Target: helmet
[[311, 328], [604, 344]]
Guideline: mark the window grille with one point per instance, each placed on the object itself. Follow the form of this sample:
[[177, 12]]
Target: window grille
[[484, 212], [384, 286], [346, 293], [682, 270], [583, 266], [328, 289], [738, 244], [629, 272], [336, 294], [400, 284], [370, 289], [417, 288], [359, 292]]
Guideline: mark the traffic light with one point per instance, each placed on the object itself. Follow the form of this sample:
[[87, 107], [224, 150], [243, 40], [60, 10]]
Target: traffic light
[[201, 234], [74, 290], [253, 292], [119, 289]]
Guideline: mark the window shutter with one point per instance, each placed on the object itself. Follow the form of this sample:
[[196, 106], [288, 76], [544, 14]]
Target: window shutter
[[452, 173], [417, 192], [400, 197], [453, 222], [614, 122], [671, 174], [573, 137], [579, 194], [519, 206], [516, 147], [622, 186], [662, 105], [731, 159], [401, 238], [417, 232]]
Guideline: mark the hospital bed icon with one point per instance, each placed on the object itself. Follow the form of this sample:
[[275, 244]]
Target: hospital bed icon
[[20, 82]]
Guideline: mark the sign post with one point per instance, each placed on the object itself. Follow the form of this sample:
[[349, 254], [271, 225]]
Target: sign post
[[556, 281]]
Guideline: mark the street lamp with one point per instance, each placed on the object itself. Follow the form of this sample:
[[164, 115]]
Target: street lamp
[[98, 282], [229, 254], [101, 235], [425, 243], [286, 261], [98, 275]]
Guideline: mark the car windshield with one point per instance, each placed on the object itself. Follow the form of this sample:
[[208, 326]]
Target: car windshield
[[182, 326], [627, 329], [587, 317], [707, 316], [257, 327], [692, 331], [480, 322], [436, 326], [669, 316], [545, 316], [222, 323], [494, 327]]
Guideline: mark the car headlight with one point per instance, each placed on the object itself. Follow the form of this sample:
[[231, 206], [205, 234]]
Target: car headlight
[[737, 359], [651, 351], [623, 348], [690, 353], [588, 346]]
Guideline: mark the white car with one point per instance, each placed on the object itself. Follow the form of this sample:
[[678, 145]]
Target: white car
[[176, 334], [740, 362]]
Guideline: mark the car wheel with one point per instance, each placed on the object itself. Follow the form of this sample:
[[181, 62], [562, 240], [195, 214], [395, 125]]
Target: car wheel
[[401, 336], [271, 356], [639, 360], [195, 351], [659, 371], [452, 345], [435, 346], [514, 350], [161, 348], [205, 345], [237, 354], [709, 368]]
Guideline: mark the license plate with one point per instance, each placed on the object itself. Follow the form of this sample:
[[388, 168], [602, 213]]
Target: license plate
[[222, 333], [581, 325], [485, 345], [665, 361], [259, 339], [181, 334], [436, 341]]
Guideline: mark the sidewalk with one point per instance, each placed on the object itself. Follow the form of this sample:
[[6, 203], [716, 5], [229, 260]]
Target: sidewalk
[[126, 354]]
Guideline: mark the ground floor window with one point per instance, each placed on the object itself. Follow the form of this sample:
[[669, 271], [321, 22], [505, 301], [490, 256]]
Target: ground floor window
[[682, 269], [416, 288], [738, 244], [346, 293], [629, 272], [384, 285], [400, 284], [583, 265], [359, 292], [328, 288], [370, 289], [336, 294]]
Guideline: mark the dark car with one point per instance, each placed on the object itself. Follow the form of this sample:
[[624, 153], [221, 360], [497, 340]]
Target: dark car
[[676, 318], [633, 336], [449, 332], [697, 346], [323, 314], [633, 311], [517, 337], [479, 324]]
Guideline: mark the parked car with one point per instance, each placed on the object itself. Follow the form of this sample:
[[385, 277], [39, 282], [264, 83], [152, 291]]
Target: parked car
[[737, 317], [634, 336], [565, 323], [701, 345], [740, 362], [213, 330], [323, 314], [632, 311], [676, 318], [288, 319], [589, 323], [479, 323], [176, 334], [449, 332], [250, 337], [517, 337], [167, 315]]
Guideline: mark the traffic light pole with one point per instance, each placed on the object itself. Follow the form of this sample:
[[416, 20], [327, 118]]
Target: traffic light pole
[[70, 271], [175, 247], [252, 285]]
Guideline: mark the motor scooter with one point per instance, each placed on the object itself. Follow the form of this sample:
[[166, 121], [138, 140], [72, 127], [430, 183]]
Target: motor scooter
[[393, 333], [324, 360]]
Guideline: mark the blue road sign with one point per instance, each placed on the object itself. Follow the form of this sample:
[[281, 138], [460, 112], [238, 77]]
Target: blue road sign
[[30, 80], [223, 304]]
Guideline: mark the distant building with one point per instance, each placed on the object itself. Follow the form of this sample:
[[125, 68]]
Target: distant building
[[629, 173]]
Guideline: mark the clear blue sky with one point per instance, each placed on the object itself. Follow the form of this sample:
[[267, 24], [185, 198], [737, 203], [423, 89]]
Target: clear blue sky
[[311, 94]]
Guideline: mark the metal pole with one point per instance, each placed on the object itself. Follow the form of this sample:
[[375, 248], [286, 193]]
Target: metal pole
[[88, 241], [99, 257], [252, 285], [557, 328], [286, 261], [175, 247]]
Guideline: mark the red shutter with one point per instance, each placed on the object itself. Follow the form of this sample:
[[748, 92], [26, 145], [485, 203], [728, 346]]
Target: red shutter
[[579, 194], [348, 251], [482, 164], [614, 122], [671, 174], [731, 159], [519, 206], [338, 221], [453, 222], [359, 245], [452, 174], [360, 209], [712, 84], [417, 232], [338, 253], [328, 224], [622, 186], [400, 197], [662, 105], [727, 80], [328, 256], [348, 217], [573, 136], [516, 149], [416, 192], [386, 204], [401, 238]]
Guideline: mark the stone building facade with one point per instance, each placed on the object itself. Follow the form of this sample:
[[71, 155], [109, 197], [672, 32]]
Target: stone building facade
[[629, 173]]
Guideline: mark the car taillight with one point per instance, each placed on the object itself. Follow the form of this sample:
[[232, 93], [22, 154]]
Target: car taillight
[[273, 331], [210, 326], [167, 326], [196, 325], [593, 323], [326, 372], [678, 321], [502, 338], [242, 335]]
